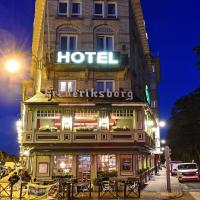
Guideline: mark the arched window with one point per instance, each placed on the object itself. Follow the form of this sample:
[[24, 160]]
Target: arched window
[[68, 38], [104, 39]]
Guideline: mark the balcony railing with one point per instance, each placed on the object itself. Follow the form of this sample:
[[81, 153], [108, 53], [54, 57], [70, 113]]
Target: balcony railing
[[133, 136]]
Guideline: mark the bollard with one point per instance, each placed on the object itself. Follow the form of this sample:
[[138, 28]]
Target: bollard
[[90, 192], [68, 191], [72, 191], [116, 188], [99, 192], [11, 190], [139, 189], [124, 190], [21, 188]]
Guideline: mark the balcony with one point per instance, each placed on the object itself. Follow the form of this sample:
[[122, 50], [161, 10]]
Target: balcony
[[86, 137]]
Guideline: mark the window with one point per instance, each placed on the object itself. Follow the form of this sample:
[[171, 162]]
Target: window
[[122, 120], [106, 163], [104, 85], [67, 86], [68, 42], [153, 68], [76, 9], [112, 10], [98, 9], [63, 7], [62, 165], [48, 120], [105, 43]]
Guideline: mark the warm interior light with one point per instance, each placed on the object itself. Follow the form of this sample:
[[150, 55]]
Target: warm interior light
[[12, 66], [62, 165]]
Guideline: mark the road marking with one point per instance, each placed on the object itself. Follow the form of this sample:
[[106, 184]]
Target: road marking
[[196, 195]]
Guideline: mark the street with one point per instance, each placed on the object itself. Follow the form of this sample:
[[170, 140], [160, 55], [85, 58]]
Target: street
[[193, 188]]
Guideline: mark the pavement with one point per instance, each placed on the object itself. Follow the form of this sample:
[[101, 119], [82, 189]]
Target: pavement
[[156, 188]]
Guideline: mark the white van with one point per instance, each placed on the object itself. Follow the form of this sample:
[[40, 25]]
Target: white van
[[187, 172]]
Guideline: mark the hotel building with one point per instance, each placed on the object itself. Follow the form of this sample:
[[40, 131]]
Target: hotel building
[[90, 105]]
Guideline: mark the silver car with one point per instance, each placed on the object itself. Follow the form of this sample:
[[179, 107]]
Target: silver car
[[187, 172]]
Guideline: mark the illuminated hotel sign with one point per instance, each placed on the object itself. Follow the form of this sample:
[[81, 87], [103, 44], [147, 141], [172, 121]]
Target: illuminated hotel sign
[[101, 58]]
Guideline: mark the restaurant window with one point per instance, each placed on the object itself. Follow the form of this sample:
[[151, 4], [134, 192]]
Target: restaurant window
[[63, 7], [62, 165], [122, 120], [76, 8], [48, 120], [112, 10], [84, 167], [104, 85], [85, 120], [106, 163], [66, 86], [105, 43], [99, 9], [68, 42]]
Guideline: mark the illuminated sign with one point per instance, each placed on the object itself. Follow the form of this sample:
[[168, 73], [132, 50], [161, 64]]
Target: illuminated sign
[[128, 95], [148, 98], [102, 58]]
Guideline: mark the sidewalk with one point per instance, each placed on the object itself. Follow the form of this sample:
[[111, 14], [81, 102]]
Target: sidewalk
[[157, 188]]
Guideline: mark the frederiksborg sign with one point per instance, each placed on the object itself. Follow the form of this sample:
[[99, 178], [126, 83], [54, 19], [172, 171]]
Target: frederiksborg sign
[[128, 95], [101, 58]]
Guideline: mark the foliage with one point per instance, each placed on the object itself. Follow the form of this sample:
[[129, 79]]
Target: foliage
[[108, 174], [4, 157], [184, 130], [197, 52]]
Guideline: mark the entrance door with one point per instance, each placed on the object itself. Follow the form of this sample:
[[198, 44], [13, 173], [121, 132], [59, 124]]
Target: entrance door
[[84, 168]]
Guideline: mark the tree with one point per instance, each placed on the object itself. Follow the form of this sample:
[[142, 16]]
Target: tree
[[197, 52], [184, 128]]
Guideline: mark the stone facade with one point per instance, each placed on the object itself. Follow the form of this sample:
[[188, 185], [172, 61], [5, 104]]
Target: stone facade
[[119, 130]]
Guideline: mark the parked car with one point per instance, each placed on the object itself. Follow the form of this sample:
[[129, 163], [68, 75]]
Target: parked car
[[187, 172], [173, 167]]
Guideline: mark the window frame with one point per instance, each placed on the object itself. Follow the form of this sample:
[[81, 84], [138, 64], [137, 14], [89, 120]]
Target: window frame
[[103, 9], [105, 81], [111, 16], [104, 41], [75, 14], [68, 43], [58, 10], [66, 81]]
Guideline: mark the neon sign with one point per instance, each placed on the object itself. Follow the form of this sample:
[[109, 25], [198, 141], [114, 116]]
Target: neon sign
[[102, 58]]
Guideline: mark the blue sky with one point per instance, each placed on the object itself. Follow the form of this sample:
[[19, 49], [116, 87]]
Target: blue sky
[[173, 28]]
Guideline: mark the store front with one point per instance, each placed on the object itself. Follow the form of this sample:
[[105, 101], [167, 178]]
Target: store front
[[86, 167]]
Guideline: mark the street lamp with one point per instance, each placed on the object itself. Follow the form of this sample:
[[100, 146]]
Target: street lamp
[[162, 124], [12, 66], [163, 141]]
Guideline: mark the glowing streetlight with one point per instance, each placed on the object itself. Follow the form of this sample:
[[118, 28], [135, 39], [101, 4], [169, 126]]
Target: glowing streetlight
[[163, 141], [162, 123], [12, 66]]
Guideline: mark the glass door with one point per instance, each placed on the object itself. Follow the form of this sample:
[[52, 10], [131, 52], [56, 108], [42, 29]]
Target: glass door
[[84, 168]]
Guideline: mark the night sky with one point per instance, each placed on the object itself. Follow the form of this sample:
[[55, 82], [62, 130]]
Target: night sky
[[173, 28]]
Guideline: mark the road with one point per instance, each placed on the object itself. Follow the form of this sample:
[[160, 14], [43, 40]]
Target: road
[[193, 188]]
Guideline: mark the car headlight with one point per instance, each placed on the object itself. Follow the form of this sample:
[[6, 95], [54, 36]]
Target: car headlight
[[197, 173]]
